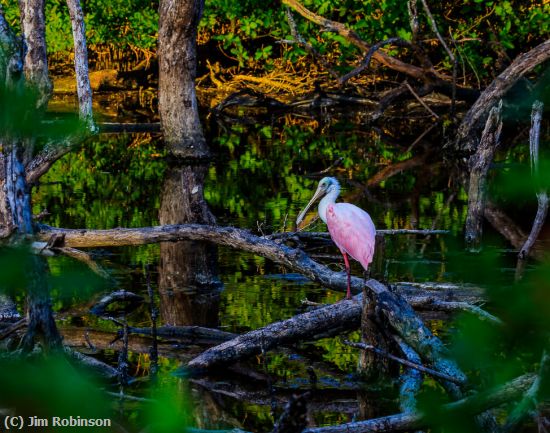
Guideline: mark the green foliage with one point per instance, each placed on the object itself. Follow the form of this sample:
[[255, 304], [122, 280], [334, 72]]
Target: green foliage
[[169, 410], [50, 387], [488, 32], [19, 118], [110, 185]]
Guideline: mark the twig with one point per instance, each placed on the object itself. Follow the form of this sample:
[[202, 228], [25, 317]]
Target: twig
[[336, 163], [419, 99], [404, 361], [420, 137], [366, 61]]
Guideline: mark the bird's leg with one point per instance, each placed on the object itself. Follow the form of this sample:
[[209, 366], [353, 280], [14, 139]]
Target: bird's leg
[[348, 271]]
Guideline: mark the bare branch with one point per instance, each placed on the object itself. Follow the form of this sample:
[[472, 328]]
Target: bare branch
[[472, 121], [542, 196], [404, 362]]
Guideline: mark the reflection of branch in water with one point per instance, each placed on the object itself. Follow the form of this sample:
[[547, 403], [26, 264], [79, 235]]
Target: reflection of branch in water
[[393, 169], [323, 400], [475, 404]]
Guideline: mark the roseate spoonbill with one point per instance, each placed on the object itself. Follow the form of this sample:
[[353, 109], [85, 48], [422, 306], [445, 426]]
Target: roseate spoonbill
[[350, 227]]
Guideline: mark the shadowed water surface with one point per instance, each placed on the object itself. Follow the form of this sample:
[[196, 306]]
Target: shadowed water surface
[[260, 178]]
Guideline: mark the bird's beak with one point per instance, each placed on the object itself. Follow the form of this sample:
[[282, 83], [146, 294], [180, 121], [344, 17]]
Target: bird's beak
[[318, 194]]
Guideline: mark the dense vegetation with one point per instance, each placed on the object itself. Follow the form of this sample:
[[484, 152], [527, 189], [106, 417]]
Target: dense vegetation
[[246, 34]]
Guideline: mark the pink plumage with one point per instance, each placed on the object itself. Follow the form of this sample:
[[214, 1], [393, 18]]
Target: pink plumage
[[350, 227], [352, 230]]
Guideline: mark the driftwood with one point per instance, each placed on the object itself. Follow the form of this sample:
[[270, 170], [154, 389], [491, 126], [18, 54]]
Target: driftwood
[[291, 258], [325, 321], [413, 421], [345, 315], [471, 123], [479, 167], [191, 334], [425, 294], [396, 312]]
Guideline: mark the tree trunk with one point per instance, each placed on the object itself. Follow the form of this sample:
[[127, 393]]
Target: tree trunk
[[177, 52], [189, 287], [83, 86], [34, 38]]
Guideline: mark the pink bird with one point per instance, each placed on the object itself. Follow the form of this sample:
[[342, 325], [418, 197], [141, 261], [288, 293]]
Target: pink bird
[[350, 227]]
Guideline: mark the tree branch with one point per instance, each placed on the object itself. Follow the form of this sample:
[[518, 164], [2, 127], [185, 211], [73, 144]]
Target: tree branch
[[476, 115]]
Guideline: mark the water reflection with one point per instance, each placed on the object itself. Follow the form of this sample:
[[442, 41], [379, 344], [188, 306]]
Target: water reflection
[[189, 286], [261, 176]]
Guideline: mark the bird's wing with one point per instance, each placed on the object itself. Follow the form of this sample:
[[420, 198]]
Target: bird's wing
[[352, 230]]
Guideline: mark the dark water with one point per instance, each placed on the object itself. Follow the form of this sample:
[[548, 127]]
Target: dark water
[[261, 176]]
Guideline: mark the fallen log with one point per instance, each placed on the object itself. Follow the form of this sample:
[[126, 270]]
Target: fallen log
[[291, 258], [330, 320], [337, 318], [395, 310], [193, 334]]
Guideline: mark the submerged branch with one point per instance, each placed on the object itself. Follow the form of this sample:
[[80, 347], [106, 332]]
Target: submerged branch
[[413, 421]]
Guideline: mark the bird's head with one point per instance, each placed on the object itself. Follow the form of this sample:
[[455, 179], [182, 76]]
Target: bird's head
[[326, 186]]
